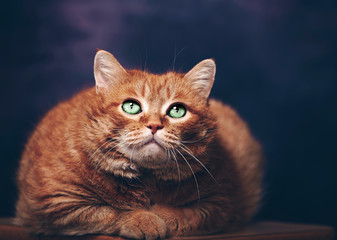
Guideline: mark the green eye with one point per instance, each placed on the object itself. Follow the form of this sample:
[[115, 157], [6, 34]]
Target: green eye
[[131, 107], [177, 111]]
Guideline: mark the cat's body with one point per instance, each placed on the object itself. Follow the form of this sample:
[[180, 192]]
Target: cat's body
[[91, 167]]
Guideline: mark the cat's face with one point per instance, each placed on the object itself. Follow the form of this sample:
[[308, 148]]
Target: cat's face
[[155, 121]]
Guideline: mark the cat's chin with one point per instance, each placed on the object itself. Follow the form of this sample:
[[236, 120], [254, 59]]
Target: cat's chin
[[149, 155]]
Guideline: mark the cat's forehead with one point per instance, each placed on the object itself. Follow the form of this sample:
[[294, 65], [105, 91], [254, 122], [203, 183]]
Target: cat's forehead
[[155, 93], [158, 88]]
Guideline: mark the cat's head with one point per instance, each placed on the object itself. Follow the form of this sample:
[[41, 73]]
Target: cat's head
[[158, 122]]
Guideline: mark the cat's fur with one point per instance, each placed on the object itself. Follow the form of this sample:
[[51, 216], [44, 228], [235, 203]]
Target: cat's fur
[[86, 169]]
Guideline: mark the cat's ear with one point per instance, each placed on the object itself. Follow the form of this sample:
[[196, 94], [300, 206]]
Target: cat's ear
[[107, 71], [202, 77]]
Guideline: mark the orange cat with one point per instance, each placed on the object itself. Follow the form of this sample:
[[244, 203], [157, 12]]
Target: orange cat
[[141, 156]]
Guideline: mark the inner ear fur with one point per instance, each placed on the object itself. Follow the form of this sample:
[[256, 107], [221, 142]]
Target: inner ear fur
[[201, 77], [107, 71]]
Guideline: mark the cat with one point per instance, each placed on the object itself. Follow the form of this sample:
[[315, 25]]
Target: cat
[[142, 156]]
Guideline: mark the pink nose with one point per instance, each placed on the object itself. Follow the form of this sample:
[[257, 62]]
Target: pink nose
[[154, 127]]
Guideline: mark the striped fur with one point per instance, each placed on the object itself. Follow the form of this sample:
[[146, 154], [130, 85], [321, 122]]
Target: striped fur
[[85, 169]]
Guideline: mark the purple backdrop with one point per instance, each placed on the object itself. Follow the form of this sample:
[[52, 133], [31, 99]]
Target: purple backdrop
[[276, 64]]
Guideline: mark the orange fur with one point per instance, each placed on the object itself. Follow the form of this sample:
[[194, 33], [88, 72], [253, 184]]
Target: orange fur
[[86, 169]]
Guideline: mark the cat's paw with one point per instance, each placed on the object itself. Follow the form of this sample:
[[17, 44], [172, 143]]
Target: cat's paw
[[143, 225]]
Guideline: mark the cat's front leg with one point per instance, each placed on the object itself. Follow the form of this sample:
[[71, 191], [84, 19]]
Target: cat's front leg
[[142, 224], [195, 220]]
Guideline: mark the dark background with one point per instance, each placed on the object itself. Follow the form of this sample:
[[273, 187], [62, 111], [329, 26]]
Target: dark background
[[276, 64]]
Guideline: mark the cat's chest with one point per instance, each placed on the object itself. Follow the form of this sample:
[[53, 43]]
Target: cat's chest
[[148, 191], [172, 193]]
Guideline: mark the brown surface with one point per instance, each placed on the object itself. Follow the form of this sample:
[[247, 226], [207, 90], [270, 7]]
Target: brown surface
[[255, 231]]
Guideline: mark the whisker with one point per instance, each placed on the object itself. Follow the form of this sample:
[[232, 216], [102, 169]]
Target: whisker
[[176, 55], [194, 141], [204, 137], [113, 147], [100, 147], [172, 151], [178, 168], [132, 153], [187, 150], [195, 178], [102, 159]]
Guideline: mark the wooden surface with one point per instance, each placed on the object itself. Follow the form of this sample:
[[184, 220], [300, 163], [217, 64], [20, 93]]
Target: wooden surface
[[255, 231]]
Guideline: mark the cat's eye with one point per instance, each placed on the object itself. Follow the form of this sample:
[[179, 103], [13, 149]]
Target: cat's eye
[[177, 111], [131, 107]]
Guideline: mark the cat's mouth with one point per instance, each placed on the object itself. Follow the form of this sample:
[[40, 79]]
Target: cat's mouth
[[152, 142]]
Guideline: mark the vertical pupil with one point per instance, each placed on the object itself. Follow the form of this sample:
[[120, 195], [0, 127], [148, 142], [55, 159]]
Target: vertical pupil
[[131, 105]]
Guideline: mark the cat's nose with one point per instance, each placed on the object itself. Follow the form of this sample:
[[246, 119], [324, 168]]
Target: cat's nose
[[154, 127]]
